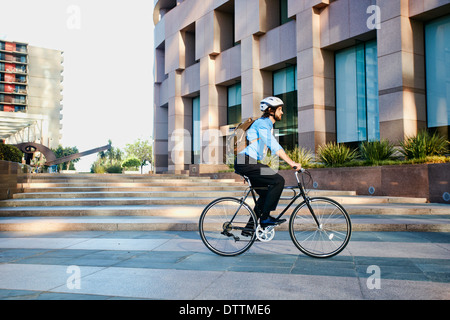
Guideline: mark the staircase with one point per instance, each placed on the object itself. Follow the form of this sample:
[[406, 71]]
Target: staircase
[[77, 202]]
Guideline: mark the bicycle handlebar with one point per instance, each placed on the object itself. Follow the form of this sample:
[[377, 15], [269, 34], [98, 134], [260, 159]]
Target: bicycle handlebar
[[296, 173]]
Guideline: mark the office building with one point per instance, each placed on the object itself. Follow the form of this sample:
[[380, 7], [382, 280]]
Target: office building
[[347, 70], [30, 94]]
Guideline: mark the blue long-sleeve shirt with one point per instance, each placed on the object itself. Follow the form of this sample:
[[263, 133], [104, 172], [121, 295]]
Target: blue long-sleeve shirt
[[260, 133]]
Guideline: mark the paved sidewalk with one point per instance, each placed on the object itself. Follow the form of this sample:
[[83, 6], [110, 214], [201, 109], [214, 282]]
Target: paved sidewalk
[[176, 265]]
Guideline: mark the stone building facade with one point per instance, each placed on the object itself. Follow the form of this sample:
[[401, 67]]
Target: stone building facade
[[348, 71]]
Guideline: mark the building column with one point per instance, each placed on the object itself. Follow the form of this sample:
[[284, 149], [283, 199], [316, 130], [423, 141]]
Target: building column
[[255, 84], [210, 113], [315, 76], [401, 65], [160, 133], [179, 118]]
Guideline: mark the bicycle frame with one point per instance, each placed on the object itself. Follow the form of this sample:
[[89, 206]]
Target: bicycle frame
[[301, 194], [312, 238]]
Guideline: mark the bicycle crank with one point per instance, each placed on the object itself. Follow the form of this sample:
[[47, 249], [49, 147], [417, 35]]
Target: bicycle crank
[[265, 234]]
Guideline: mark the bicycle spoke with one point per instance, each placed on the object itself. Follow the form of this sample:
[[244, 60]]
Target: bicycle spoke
[[225, 226], [325, 240]]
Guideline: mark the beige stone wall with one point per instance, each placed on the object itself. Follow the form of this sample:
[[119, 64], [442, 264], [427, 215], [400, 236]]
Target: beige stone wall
[[45, 91]]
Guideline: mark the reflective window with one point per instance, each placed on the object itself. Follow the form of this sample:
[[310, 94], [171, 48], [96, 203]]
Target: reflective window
[[437, 53], [196, 137], [234, 104], [285, 88], [357, 111]]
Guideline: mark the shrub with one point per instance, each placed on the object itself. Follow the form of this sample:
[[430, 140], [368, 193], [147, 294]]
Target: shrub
[[423, 145], [132, 162], [10, 153], [97, 168], [114, 168], [301, 155], [333, 154], [271, 160], [375, 151]]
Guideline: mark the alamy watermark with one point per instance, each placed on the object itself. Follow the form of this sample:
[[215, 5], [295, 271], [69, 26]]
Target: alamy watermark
[[374, 21], [74, 280], [73, 21], [374, 280]]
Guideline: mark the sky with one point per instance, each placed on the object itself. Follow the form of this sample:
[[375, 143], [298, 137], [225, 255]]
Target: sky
[[108, 65]]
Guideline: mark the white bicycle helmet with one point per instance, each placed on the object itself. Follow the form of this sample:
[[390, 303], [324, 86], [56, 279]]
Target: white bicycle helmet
[[270, 102]]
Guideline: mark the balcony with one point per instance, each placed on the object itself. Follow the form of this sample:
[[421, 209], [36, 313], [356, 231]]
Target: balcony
[[20, 92], [13, 101], [162, 7], [6, 59], [22, 82], [14, 70]]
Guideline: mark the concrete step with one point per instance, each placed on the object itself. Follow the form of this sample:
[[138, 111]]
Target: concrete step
[[87, 188], [106, 176], [164, 192], [107, 223], [158, 182], [181, 198], [194, 210], [128, 202]]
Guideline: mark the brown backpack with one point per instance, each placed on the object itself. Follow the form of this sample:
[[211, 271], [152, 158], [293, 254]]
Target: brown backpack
[[237, 141]]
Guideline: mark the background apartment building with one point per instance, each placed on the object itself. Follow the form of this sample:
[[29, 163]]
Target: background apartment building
[[348, 71], [30, 94]]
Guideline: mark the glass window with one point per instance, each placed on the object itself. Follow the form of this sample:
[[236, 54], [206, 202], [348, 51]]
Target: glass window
[[234, 104], [285, 88], [437, 56], [284, 11], [196, 129], [357, 111]]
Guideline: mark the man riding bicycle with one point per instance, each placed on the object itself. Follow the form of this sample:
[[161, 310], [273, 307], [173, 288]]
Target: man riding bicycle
[[260, 136]]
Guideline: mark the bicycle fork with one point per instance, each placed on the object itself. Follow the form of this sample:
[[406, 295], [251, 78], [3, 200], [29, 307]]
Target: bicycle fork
[[319, 225], [308, 203]]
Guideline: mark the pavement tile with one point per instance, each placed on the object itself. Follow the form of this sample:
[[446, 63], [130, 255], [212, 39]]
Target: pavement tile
[[176, 265]]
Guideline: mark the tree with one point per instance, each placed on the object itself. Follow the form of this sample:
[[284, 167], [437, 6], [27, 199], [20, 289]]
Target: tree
[[140, 149], [63, 152], [132, 163], [112, 153], [109, 161]]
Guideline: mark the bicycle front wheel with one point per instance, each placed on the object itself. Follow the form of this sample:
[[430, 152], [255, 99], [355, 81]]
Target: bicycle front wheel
[[227, 226], [325, 237]]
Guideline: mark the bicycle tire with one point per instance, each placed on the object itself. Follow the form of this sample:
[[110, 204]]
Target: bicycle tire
[[327, 240], [221, 236]]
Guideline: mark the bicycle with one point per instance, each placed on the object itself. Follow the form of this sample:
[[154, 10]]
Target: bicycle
[[319, 226]]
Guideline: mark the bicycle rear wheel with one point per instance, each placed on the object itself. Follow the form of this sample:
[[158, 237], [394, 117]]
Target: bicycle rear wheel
[[227, 226], [328, 238]]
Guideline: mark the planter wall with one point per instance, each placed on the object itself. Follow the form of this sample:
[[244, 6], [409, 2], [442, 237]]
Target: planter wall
[[12, 177], [429, 181]]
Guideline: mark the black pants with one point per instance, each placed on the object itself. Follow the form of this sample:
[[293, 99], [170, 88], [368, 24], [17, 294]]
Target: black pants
[[261, 175]]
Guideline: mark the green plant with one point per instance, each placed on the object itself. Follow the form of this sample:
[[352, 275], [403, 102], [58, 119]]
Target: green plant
[[109, 161], [375, 151], [332, 154], [98, 168], [424, 144], [273, 161], [63, 152], [114, 168], [301, 155], [131, 162], [10, 153], [141, 150]]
